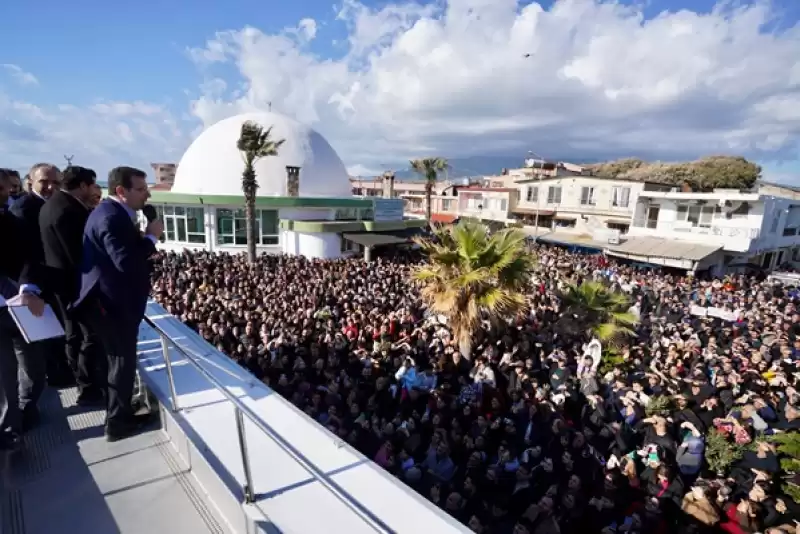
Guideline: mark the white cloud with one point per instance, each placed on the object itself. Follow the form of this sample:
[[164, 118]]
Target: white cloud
[[20, 76], [451, 78]]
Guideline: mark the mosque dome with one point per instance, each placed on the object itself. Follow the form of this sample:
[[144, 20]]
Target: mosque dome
[[212, 165]]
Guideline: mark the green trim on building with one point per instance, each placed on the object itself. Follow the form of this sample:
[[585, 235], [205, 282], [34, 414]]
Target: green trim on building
[[351, 226], [168, 197]]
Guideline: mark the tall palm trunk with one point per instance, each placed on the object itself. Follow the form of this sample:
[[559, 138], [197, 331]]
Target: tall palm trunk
[[428, 200], [465, 347], [249, 178]]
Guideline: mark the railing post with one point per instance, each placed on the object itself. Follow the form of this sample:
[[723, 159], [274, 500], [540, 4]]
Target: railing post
[[168, 365], [249, 491]]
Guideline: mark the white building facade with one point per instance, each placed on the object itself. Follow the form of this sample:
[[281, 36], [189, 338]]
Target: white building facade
[[731, 229], [579, 204]]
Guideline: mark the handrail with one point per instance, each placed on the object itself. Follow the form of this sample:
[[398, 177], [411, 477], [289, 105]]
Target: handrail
[[241, 411]]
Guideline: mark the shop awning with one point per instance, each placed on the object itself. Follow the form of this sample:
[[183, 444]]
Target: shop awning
[[369, 239], [532, 212], [443, 218], [650, 247]]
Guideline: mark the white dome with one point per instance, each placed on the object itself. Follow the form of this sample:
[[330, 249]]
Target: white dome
[[212, 165]]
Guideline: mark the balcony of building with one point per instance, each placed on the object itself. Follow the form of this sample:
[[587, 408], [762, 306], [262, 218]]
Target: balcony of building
[[228, 455]]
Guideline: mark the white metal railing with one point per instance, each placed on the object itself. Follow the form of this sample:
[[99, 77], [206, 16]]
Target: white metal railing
[[711, 228], [240, 412]]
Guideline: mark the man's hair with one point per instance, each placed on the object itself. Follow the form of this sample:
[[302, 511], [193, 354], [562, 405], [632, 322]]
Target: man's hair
[[123, 176], [12, 173], [40, 166], [5, 174], [75, 175]]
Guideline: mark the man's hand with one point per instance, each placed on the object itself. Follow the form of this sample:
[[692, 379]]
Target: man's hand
[[34, 303], [155, 228]]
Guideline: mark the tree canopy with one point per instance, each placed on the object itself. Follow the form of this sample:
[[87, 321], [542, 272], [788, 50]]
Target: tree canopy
[[471, 274], [730, 172]]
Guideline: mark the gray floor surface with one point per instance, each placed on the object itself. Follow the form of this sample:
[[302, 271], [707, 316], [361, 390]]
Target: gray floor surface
[[67, 479]]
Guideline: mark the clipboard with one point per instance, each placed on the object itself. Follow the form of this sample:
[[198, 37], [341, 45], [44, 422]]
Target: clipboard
[[35, 328]]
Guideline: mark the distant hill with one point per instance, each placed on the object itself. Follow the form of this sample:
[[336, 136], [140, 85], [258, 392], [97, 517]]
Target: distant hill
[[471, 166]]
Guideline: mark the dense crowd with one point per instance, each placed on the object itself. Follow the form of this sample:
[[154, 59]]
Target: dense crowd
[[532, 433]]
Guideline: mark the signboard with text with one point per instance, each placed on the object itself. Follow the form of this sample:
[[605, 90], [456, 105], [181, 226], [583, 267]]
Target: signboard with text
[[388, 209]]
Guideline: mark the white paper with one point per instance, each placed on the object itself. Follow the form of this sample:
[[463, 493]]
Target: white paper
[[31, 327]]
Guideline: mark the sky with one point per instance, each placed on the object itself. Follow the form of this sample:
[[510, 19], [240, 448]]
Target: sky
[[578, 80]]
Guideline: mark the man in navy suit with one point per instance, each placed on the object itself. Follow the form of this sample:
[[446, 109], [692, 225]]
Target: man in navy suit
[[115, 287]]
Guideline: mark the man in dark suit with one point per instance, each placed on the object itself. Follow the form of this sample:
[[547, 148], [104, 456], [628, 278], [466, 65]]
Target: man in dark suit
[[43, 179], [61, 223], [19, 392], [115, 287]]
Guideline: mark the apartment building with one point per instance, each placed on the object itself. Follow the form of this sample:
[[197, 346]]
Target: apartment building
[[722, 231], [490, 204], [579, 204], [164, 174]]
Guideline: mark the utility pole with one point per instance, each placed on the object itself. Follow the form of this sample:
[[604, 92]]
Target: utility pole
[[538, 192]]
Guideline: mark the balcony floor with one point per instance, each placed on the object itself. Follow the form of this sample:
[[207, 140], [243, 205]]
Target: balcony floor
[[67, 479]]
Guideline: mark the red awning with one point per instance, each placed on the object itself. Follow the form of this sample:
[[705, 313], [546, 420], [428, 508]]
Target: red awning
[[443, 218]]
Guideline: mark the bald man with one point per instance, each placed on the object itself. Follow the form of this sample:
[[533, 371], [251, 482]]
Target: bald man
[[43, 180]]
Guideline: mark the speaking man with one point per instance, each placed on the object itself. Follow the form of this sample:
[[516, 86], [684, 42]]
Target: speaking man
[[115, 286], [61, 222]]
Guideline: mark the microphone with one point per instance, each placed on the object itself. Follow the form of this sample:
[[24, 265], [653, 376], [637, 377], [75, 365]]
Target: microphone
[[150, 213]]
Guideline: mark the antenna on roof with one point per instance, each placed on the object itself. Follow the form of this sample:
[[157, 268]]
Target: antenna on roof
[[69, 160], [270, 105]]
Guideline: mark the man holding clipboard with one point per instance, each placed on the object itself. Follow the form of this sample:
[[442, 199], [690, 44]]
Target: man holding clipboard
[[22, 367]]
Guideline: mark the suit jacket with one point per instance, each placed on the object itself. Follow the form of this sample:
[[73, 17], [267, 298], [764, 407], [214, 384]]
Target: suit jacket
[[27, 208], [115, 267], [61, 223], [15, 253]]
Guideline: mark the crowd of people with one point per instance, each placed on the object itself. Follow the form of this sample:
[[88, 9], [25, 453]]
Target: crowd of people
[[531, 433]]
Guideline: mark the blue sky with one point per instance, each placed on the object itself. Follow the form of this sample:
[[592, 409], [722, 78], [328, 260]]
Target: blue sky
[[96, 51]]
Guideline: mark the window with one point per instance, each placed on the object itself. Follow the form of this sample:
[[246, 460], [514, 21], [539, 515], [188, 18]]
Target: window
[[696, 215], [620, 196], [587, 196], [268, 227], [232, 227], [741, 211], [367, 214], [532, 194], [447, 205], [554, 194], [346, 214], [503, 204], [776, 219], [183, 224]]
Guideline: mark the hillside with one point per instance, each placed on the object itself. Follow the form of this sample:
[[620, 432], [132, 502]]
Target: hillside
[[705, 173]]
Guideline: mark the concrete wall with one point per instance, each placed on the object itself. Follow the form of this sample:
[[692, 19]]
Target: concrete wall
[[311, 245]]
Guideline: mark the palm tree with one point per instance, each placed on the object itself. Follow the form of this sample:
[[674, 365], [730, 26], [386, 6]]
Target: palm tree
[[254, 143], [593, 306], [470, 275], [430, 169]]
